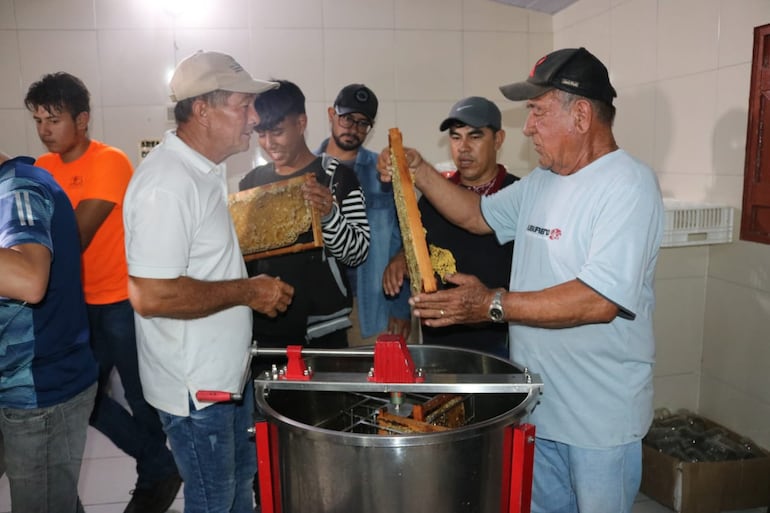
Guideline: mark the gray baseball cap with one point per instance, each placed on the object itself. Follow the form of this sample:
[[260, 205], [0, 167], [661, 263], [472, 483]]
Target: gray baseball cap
[[474, 111]]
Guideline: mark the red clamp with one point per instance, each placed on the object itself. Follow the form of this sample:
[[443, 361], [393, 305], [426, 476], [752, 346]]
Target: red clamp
[[296, 368], [393, 362]]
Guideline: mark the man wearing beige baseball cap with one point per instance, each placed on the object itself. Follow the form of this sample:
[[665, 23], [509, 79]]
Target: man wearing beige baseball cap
[[188, 283]]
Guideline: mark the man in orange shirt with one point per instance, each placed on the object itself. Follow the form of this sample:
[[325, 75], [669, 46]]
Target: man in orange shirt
[[95, 177]]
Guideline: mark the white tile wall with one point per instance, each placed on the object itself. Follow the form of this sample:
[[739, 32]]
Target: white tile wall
[[419, 122], [361, 14], [287, 14], [676, 391], [7, 16], [429, 14], [584, 10], [10, 85], [54, 15], [746, 414], [635, 121], [429, 65], [684, 121], [729, 135], [632, 58], [207, 13], [489, 58], [139, 62], [13, 140], [139, 14], [291, 54], [486, 15], [736, 23], [374, 62], [687, 37], [73, 51], [593, 33], [679, 308], [735, 348]]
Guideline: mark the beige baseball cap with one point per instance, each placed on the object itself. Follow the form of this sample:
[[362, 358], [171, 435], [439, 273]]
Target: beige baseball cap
[[204, 72]]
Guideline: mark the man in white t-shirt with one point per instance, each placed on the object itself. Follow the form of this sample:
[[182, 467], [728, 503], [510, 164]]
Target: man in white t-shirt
[[188, 282], [587, 224]]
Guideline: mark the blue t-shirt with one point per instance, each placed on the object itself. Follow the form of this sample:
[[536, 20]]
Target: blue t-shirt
[[602, 226], [45, 358]]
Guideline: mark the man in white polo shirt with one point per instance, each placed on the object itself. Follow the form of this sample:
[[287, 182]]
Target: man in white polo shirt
[[188, 283]]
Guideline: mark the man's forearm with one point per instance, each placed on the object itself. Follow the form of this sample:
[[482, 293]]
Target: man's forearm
[[570, 304], [25, 269], [186, 298], [458, 205]]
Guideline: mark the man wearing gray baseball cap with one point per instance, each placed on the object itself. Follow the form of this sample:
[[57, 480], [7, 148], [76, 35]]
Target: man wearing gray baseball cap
[[587, 222], [188, 283], [475, 138]]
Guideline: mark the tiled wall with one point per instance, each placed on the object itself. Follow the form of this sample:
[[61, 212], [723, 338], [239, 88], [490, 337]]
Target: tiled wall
[[419, 56], [682, 71]]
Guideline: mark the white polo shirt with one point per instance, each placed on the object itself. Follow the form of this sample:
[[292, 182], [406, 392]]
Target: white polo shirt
[[177, 224]]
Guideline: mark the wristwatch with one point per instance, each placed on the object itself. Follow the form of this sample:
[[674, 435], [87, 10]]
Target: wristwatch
[[496, 312]]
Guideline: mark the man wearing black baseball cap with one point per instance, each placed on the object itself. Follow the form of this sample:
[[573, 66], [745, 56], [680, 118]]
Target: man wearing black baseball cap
[[351, 118], [475, 137], [587, 222]]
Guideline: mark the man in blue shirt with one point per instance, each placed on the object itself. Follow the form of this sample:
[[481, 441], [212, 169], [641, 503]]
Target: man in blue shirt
[[351, 118], [47, 372]]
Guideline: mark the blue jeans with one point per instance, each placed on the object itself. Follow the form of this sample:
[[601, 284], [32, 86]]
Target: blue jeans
[[43, 452], [569, 479], [138, 432], [216, 455]]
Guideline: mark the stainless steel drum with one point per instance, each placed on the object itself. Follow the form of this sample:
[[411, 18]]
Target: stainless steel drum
[[331, 459]]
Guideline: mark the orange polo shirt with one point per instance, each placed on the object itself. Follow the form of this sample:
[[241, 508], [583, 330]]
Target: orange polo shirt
[[102, 172]]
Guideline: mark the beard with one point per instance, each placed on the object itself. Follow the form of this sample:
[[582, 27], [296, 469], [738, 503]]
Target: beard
[[347, 146]]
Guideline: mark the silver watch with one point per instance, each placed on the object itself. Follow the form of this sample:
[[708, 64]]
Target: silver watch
[[496, 312]]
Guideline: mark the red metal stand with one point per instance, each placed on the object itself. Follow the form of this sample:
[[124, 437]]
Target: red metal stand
[[521, 441], [267, 470]]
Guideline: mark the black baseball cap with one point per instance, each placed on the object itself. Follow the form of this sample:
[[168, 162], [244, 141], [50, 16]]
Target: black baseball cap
[[357, 98], [474, 111], [574, 70]]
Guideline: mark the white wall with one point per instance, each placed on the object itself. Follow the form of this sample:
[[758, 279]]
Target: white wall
[[682, 71], [419, 56]]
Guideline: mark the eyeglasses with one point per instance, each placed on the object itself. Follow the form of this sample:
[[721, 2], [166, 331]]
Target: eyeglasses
[[347, 121]]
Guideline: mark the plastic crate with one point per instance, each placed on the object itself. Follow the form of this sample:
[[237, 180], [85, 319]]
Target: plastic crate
[[692, 224]]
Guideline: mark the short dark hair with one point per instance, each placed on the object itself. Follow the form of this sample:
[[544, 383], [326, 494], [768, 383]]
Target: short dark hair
[[274, 105], [604, 111], [59, 92], [183, 109], [453, 124]]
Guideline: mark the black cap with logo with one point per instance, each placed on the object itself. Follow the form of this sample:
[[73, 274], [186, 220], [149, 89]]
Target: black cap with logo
[[357, 98], [574, 70]]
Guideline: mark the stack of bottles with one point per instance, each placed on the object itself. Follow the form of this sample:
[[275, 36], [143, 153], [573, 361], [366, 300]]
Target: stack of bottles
[[688, 437]]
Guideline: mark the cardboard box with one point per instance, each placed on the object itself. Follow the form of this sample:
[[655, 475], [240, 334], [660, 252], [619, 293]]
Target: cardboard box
[[706, 487]]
